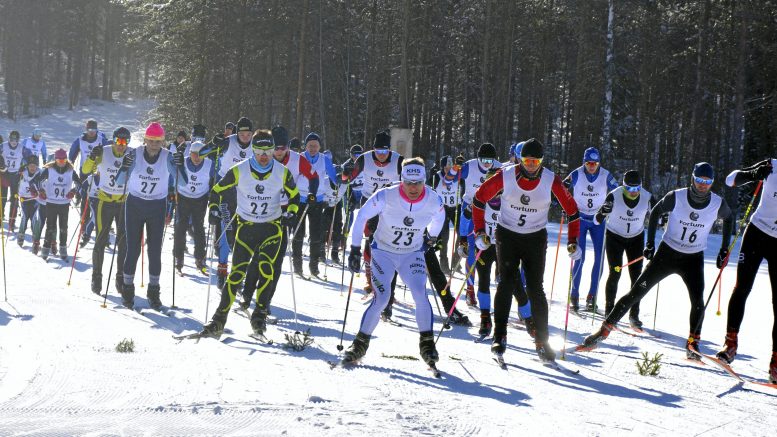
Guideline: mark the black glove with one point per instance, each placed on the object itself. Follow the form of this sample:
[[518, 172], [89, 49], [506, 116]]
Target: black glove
[[467, 212], [606, 208], [355, 259], [96, 152], [433, 243], [460, 160], [178, 159], [214, 215], [128, 160], [289, 220], [648, 252], [762, 170], [662, 219], [722, 260], [311, 198]]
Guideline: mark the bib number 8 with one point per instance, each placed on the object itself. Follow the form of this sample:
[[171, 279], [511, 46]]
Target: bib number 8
[[590, 202]]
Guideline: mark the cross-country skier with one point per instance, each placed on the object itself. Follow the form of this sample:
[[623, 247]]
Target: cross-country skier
[[521, 237], [80, 149], [589, 184], [692, 213], [11, 152], [405, 211], [150, 170], [259, 183], [57, 184], [758, 243], [625, 209], [34, 145], [445, 184], [27, 199]]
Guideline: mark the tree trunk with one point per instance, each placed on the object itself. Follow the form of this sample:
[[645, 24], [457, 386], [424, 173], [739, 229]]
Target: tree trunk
[[301, 70], [404, 115], [609, 68]]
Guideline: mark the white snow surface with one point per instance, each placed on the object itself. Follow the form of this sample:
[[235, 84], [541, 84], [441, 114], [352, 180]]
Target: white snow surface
[[60, 375]]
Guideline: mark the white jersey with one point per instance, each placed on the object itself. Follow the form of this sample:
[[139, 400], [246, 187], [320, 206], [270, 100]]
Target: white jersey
[[24, 184], [765, 216], [259, 201], [324, 186], [447, 190], [688, 228], [491, 219], [525, 211], [85, 147], [12, 157], [376, 177], [624, 221], [149, 181], [590, 196], [57, 185], [198, 183], [475, 178], [235, 154], [35, 148], [401, 225], [109, 171], [94, 187], [293, 164]]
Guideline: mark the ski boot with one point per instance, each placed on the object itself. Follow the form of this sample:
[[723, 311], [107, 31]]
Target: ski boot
[[590, 303], [531, 328], [259, 321], [457, 318], [692, 347], [53, 248], [44, 252], [84, 241], [485, 323], [97, 281], [179, 263], [592, 341], [544, 352], [120, 283], [214, 329], [128, 295], [152, 294], [357, 349], [635, 323], [773, 369], [574, 306], [20, 239], [221, 275], [729, 350], [471, 299], [335, 257], [428, 351], [387, 312], [63, 252], [200, 264], [499, 346], [314, 269], [35, 246]]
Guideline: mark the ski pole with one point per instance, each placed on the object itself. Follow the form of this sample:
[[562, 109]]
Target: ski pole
[[456, 213], [345, 317], [461, 290], [601, 270], [720, 285], [210, 272], [80, 232], [116, 241], [291, 274], [2, 230], [655, 311], [346, 231], [555, 263], [569, 301], [142, 258], [635, 260], [329, 240], [175, 222], [434, 292]]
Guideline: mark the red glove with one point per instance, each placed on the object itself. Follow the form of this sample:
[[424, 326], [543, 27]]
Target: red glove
[[33, 192], [42, 195], [71, 194]]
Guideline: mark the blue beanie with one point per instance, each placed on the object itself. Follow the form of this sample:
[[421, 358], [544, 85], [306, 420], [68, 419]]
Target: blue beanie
[[591, 155]]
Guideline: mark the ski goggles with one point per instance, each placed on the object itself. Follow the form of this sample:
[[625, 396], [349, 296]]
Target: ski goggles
[[92, 130], [534, 162], [413, 183], [382, 151], [266, 151], [121, 141], [632, 188], [702, 181], [200, 139], [591, 163], [486, 161]]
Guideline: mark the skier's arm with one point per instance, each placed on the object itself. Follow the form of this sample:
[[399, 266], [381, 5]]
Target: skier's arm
[[215, 147], [307, 170], [570, 180], [228, 181], [561, 193], [755, 172], [435, 226], [371, 208], [611, 182], [358, 167], [725, 213], [76, 181], [173, 169], [43, 150], [38, 179], [490, 189], [75, 149], [663, 206], [601, 215], [400, 158], [290, 188]]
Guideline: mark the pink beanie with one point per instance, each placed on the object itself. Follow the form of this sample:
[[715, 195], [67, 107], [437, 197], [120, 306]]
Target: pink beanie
[[155, 131]]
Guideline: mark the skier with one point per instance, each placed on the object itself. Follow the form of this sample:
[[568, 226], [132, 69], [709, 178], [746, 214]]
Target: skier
[[444, 183], [473, 174], [758, 243], [692, 213], [80, 149], [27, 199], [192, 200], [405, 210], [57, 184], [625, 209], [589, 184], [109, 203], [259, 183], [148, 176], [11, 153], [332, 217], [34, 145], [353, 197], [521, 237]]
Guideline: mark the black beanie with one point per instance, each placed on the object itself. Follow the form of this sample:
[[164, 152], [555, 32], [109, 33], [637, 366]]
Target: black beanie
[[198, 131], [231, 126], [280, 135], [312, 137], [356, 149], [294, 143], [245, 124], [487, 150], [382, 140], [445, 160], [704, 169], [632, 178], [532, 148], [182, 133]]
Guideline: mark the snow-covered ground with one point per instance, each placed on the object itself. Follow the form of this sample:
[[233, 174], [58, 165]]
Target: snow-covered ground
[[59, 373]]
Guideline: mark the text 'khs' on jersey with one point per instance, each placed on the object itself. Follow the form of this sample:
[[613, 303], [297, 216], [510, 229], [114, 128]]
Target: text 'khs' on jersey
[[198, 184], [765, 216], [259, 201], [109, 172], [149, 181], [525, 211], [624, 221], [448, 190], [401, 225], [688, 228], [376, 177], [235, 154], [590, 196]]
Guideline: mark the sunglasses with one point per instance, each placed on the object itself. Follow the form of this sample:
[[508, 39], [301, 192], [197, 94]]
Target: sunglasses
[[487, 160], [91, 130], [632, 188], [61, 160], [121, 141], [531, 161], [702, 181], [263, 151], [591, 163], [382, 151], [200, 139], [413, 183]]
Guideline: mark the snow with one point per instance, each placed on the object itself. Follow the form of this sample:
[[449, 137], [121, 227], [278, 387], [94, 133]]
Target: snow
[[59, 373]]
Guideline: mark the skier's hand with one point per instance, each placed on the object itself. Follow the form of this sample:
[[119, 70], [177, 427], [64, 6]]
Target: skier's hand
[[289, 220], [178, 159], [71, 194], [42, 195], [762, 170], [606, 208], [722, 260], [96, 152], [214, 216], [127, 161], [459, 161], [433, 243], [463, 248], [355, 259], [331, 202], [348, 169], [574, 251], [482, 242], [33, 192], [311, 198], [648, 252], [467, 212]]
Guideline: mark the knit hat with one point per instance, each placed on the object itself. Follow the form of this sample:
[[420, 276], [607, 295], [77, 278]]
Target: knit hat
[[280, 135], [487, 150], [198, 131], [356, 149], [262, 139], [37, 132], [231, 126], [155, 131], [591, 155], [294, 143], [60, 154], [181, 133], [532, 148], [382, 140], [632, 178], [446, 161], [312, 137], [33, 159], [196, 147], [14, 135], [704, 170], [245, 124]]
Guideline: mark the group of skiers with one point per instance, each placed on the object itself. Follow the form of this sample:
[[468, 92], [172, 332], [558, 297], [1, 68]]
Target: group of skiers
[[261, 196]]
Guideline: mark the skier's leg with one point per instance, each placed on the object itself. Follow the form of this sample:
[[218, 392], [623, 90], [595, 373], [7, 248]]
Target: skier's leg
[[155, 226], [241, 257], [597, 238], [507, 257], [134, 219], [532, 252], [484, 278], [614, 251], [577, 266], [634, 248], [412, 271], [197, 215], [383, 269]]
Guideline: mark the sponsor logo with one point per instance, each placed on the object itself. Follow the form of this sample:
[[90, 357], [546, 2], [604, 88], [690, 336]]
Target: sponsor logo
[[525, 199], [259, 189], [630, 212], [242, 154], [193, 178], [380, 173], [117, 164], [60, 179], [590, 188], [149, 170], [408, 221], [694, 215], [494, 216], [594, 156], [482, 179], [643, 284]]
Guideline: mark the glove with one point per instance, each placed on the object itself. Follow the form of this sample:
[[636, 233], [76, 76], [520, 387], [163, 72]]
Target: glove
[[288, 220], [606, 208], [348, 169], [214, 216], [311, 198], [722, 260], [71, 194], [463, 248], [33, 191], [42, 195], [482, 242], [459, 161], [355, 259], [433, 243], [467, 212], [128, 160], [574, 251], [648, 252], [178, 159], [762, 170], [96, 151], [332, 202]]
